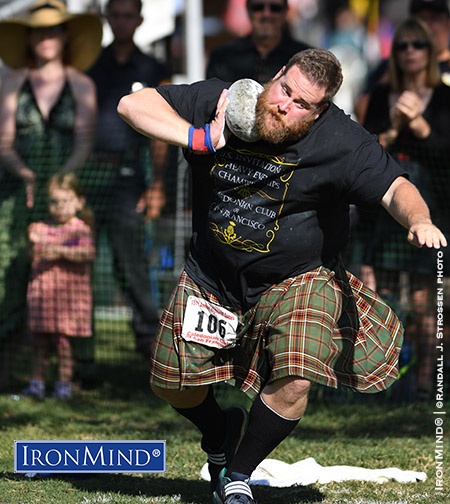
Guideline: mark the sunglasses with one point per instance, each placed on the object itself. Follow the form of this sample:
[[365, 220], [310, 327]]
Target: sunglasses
[[48, 31], [273, 7], [417, 44]]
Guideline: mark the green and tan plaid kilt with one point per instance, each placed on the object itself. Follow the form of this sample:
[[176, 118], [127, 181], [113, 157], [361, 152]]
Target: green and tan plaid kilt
[[324, 326]]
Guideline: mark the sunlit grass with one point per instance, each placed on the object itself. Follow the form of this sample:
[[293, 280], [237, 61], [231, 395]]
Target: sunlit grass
[[357, 431]]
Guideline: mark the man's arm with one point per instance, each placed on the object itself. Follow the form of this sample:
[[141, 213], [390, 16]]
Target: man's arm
[[151, 115], [153, 200], [405, 204]]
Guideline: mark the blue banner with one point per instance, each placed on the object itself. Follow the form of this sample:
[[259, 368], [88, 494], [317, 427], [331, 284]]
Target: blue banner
[[89, 456]]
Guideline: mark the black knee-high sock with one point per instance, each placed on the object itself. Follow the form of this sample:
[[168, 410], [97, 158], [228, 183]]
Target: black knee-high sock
[[266, 429], [210, 419]]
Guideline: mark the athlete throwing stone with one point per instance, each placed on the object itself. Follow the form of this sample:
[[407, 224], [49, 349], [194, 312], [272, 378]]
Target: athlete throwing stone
[[264, 301]]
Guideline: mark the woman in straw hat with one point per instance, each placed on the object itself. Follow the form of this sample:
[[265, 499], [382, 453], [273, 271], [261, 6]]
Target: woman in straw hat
[[47, 122]]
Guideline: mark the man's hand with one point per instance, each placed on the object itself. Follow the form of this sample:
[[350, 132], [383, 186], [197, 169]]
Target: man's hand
[[152, 201], [426, 233], [404, 202], [219, 135]]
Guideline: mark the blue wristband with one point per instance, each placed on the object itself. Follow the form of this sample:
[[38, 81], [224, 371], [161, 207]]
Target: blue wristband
[[208, 141], [190, 137], [199, 140]]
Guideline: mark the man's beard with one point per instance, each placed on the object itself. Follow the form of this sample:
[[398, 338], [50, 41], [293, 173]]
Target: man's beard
[[275, 130]]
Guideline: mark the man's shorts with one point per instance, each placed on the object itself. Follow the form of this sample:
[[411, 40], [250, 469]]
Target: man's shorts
[[324, 326]]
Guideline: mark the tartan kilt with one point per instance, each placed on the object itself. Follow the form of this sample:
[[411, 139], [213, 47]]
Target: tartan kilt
[[323, 325]]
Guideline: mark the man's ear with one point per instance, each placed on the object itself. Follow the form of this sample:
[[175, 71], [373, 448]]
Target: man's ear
[[320, 110], [279, 73]]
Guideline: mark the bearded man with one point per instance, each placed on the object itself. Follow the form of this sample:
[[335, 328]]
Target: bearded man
[[264, 302]]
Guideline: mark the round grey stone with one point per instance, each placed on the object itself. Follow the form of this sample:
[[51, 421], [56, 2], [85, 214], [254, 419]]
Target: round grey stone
[[240, 112]]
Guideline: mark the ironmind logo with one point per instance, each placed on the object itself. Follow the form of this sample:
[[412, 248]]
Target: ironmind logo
[[89, 456]]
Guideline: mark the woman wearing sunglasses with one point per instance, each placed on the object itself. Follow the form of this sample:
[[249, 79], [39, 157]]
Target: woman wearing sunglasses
[[411, 115]]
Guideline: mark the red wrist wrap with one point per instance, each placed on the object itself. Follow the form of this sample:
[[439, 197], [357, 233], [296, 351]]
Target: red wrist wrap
[[198, 141]]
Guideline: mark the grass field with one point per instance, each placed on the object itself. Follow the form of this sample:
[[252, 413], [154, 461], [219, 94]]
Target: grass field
[[358, 431]]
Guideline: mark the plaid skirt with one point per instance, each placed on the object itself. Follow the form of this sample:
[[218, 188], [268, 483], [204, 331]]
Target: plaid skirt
[[323, 325]]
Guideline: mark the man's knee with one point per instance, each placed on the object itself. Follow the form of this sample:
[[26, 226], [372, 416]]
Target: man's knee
[[287, 396], [187, 398], [291, 388]]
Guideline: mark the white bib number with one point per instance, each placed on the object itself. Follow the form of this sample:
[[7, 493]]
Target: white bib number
[[209, 324]]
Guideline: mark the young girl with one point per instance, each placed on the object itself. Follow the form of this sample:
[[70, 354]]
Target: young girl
[[59, 292]]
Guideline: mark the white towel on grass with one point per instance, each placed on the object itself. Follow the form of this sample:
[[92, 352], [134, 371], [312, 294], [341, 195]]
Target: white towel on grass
[[272, 472]]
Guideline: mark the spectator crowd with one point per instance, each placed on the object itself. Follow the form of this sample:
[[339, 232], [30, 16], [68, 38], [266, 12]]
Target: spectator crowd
[[73, 172]]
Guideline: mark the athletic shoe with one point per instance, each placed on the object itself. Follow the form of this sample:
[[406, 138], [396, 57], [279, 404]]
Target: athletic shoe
[[232, 491], [236, 424], [35, 389], [63, 391]]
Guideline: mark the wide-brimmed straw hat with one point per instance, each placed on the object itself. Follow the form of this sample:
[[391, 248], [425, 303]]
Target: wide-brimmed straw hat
[[83, 41]]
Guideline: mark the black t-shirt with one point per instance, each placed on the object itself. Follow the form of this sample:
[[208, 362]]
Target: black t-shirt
[[240, 59], [263, 212], [114, 80]]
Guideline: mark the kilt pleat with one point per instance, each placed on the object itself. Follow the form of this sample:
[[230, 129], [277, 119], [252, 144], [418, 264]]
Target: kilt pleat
[[323, 325]]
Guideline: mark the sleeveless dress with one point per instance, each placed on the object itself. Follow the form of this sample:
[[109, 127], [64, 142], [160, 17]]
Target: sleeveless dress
[[44, 145]]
